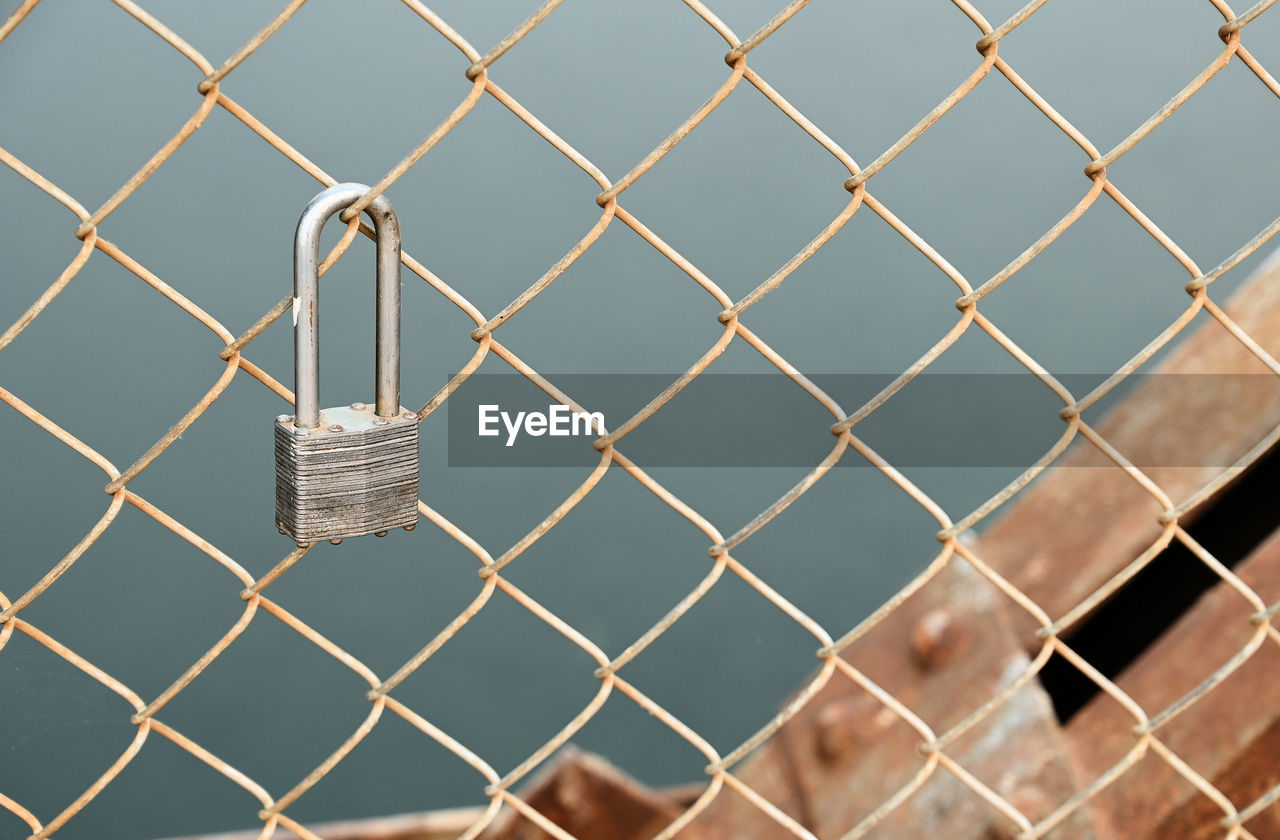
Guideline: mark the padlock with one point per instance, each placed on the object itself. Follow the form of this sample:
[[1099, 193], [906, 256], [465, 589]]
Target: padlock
[[351, 470]]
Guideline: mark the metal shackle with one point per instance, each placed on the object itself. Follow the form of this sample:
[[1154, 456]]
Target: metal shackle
[[306, 288]]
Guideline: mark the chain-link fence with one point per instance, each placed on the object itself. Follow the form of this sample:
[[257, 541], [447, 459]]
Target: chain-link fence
[[1054, 624]]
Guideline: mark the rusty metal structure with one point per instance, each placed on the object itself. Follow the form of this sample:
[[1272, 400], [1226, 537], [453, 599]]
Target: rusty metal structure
[[934, 716]]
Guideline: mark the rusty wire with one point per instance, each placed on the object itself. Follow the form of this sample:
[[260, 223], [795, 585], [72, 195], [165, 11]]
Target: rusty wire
[[476, 79]]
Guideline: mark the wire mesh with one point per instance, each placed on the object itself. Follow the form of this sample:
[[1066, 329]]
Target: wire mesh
[[480, 79]]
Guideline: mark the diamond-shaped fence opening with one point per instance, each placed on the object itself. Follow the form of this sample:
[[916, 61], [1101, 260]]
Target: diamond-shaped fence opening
[[740, 195], [61, 728], [881, 633], [47, 95], [1235, 93], [621, 109], [156, 629]]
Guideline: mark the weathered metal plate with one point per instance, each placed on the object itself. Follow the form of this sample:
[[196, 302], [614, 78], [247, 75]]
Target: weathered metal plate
[[943, 653], [592, 800], [1230, 735], [1076, 528], [1069, 533]]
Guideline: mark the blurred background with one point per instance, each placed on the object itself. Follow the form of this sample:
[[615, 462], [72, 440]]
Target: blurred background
[[87, 94]]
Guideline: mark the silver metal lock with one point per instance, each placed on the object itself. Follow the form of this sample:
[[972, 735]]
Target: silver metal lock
[[351, 470]]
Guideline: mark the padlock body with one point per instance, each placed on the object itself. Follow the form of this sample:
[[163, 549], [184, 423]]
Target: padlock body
[[354, 474]]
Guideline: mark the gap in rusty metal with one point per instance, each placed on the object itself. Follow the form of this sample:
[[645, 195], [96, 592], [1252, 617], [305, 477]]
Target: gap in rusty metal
[[1122, 629]]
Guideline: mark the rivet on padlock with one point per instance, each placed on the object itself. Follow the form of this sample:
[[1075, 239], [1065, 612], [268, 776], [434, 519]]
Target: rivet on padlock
[[346, 471]]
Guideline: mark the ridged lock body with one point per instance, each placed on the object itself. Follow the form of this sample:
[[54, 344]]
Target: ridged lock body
[[360, 479]]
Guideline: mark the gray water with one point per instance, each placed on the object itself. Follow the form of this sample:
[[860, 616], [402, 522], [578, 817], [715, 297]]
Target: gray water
[[87, 94]]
